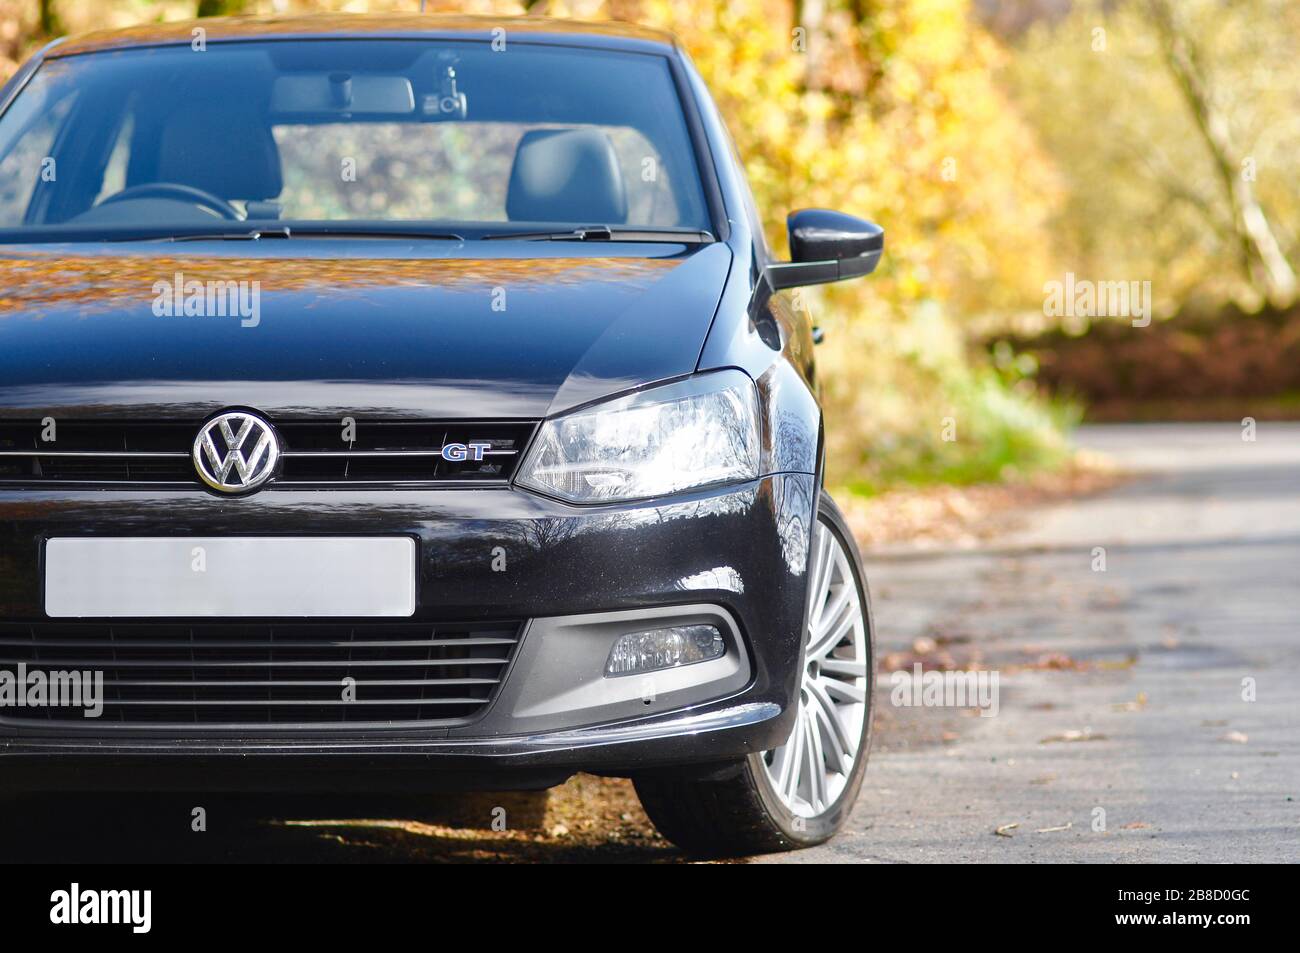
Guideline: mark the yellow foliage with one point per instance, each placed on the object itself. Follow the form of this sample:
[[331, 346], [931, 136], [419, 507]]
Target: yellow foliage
[[1145, 202]]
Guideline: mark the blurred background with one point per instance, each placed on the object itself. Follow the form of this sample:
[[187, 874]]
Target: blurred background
[[1007, 147]]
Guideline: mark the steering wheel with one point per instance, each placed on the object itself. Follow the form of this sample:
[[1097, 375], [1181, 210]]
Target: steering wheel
[[174, 190]]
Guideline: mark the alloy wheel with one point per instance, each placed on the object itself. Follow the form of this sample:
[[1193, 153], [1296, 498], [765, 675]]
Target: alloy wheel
[[809, 772]]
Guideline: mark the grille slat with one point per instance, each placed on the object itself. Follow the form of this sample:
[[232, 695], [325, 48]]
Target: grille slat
[[295, 683], [337, 643], [168, 674], [255, 663], [210, 703], [158, 453]]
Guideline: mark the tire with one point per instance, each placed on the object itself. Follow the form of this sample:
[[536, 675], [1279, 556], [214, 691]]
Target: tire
[[756, 805]]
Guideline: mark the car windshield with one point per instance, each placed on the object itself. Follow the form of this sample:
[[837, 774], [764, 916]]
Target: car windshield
[[439, 137]]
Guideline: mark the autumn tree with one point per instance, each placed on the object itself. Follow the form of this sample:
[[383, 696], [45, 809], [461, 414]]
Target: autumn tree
[[1269, 270], [1173, 127]]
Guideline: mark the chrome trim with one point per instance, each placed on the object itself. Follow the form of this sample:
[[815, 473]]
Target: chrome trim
[[302, 454], [92, 453], [297, 454]]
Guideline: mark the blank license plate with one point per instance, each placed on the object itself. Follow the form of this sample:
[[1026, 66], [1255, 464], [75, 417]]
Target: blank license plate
[[223, 577]]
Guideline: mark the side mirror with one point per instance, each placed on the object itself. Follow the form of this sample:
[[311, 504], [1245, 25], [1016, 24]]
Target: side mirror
[[827, 246]]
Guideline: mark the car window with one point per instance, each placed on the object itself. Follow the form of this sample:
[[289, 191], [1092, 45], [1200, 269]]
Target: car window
[[351, 130], [26, 137], [452, 171]]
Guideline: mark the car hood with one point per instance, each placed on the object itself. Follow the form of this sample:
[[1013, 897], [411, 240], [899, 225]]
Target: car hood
[[333, 327]]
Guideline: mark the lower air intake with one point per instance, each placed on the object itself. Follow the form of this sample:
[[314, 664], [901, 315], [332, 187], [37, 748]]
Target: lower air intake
[[271, 674]]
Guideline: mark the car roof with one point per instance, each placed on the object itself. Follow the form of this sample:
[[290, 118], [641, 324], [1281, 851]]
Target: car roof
[[355, 25]]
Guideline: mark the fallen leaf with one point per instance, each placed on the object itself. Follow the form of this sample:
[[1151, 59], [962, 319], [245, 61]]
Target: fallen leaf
[[951, 639], [1049, 830], [1114, 664], [1073, 735], [1056, 660], [1136, 705], [1135, 826], [1004, 830]]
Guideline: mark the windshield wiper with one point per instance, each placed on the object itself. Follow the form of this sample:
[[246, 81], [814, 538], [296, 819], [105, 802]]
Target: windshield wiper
[[284, 231], [319, 231], [605, 233], [251, 235]]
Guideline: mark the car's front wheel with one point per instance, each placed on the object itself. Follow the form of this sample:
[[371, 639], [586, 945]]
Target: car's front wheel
[[801, 793]]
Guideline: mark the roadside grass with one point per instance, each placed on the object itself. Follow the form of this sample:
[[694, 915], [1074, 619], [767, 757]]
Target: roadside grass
[[907, 405], [1010, 437], [927, 442]]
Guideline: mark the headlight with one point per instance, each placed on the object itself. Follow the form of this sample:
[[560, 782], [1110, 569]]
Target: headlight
[[701, 431]]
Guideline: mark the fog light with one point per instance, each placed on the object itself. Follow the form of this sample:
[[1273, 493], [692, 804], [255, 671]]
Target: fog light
[[664, 648]]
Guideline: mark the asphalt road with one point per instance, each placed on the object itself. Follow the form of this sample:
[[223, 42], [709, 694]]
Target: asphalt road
[[1123, 716], [1122, 733]]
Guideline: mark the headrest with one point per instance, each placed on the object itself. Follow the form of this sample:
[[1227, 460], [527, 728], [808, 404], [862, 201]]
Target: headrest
[[229, 152], [566, 175]]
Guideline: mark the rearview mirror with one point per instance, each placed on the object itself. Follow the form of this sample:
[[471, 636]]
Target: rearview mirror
[[827, 246], [341, 92]]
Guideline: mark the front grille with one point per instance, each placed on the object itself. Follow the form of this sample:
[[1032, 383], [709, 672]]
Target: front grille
[[316, 453], [274, 674]]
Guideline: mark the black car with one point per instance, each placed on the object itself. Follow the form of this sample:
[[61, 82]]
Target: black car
[[413, 403]]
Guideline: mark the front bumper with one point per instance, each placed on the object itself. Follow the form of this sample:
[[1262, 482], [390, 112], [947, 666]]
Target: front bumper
[[484, 554]]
